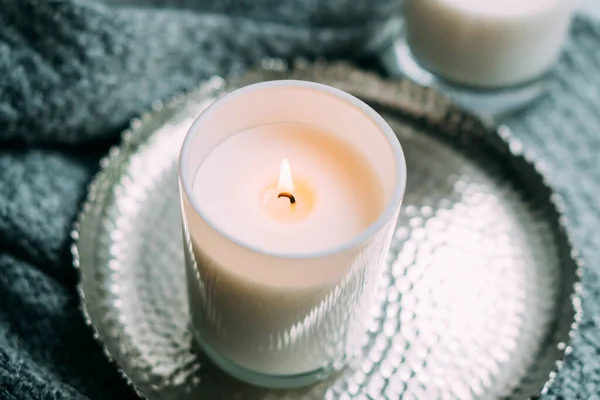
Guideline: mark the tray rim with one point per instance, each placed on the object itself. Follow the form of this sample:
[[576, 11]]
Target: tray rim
[[214, 83]]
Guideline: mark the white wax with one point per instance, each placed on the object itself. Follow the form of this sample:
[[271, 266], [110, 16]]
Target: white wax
[[232, 183], [488, 43], [232, 188]]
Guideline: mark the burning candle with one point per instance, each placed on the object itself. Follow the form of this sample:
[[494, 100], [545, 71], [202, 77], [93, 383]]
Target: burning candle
[[248, 190], [290, 192], [487, 43]]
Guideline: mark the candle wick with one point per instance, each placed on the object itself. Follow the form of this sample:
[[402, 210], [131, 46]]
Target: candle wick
[[288, 195]]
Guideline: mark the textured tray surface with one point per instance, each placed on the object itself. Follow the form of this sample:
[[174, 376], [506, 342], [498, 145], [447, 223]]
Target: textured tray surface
[[476, 301]]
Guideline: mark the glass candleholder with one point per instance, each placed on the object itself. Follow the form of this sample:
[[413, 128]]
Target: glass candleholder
[[280, 299], [492, 58]]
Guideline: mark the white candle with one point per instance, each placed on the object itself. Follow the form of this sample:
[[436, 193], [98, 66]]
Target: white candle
[[488, 43], [337, 193], [290, 192]]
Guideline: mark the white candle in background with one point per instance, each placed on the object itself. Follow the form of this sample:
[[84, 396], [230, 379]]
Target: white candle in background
[[290, 193], [487, 43]]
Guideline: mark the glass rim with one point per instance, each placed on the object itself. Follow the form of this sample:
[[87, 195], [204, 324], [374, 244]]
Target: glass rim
[[350, 100]]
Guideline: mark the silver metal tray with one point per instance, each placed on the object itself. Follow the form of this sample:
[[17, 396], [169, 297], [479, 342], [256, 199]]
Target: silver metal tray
[[481, 293]]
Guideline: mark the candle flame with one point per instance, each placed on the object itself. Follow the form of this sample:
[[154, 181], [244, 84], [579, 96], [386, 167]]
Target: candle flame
[[286, 183]]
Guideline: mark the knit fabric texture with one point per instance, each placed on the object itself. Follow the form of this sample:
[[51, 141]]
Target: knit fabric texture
[[562, 130], [72, 74]]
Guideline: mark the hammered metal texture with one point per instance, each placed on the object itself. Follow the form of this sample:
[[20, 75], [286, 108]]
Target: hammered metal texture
[[476, 301]]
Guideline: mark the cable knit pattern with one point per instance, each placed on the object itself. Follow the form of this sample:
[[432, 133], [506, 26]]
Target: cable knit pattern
[[73, 72]]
